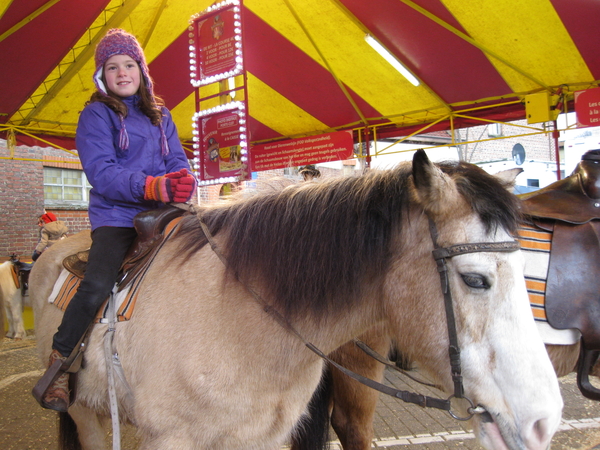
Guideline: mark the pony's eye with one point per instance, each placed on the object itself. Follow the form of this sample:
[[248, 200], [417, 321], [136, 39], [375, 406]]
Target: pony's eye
[[475, 280]]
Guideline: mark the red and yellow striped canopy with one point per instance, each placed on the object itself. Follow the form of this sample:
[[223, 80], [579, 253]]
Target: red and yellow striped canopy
[[309, 69]]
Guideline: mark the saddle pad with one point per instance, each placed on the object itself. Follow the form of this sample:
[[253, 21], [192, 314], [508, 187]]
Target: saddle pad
[[66, 285], [536, 245], [15, 276]]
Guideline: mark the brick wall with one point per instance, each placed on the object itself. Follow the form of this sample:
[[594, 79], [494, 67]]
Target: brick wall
[[537, 147], [22, 198]]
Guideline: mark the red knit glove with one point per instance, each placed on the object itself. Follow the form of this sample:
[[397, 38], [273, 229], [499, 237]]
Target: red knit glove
[[158, 189], [175, 177], [183, 185]]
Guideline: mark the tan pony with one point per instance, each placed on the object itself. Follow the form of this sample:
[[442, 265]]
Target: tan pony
[[210, 366]]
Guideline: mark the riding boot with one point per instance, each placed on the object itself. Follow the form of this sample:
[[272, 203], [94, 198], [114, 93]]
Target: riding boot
[[57, 396]]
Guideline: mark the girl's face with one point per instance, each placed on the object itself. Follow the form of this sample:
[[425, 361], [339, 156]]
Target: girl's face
[[122, 75]]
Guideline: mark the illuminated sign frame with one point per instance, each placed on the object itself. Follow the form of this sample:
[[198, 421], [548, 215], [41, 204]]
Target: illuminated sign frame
[[220, 132], [216, 43], [221, 144]]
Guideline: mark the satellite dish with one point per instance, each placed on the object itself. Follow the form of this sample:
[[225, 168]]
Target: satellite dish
[[518, 154]]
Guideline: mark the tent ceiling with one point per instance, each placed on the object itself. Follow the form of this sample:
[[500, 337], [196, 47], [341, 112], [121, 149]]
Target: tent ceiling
[[309, 68]]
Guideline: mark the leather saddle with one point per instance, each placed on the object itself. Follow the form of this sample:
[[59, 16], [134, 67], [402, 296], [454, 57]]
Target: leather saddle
[[21, 272], [573, 281], [150, 226]]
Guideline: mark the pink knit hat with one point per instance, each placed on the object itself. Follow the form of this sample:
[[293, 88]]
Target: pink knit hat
[[119, 42]]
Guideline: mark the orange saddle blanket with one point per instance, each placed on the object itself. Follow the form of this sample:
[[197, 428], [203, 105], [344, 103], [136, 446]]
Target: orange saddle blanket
[[66, 285]]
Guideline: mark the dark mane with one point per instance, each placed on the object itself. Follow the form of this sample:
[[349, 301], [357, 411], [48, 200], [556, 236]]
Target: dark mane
[[313, 246]]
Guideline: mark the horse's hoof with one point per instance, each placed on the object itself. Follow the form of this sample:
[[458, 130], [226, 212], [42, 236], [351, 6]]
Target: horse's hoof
[[14, 337]]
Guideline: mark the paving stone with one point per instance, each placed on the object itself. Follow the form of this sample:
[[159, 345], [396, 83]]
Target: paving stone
[[398, 426]]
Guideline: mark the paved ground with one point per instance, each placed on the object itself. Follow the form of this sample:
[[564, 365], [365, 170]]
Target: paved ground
[[24, 425], [409, 427]]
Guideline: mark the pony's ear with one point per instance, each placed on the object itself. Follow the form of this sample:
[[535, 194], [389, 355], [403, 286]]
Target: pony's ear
[[435, 190], [508, 177]]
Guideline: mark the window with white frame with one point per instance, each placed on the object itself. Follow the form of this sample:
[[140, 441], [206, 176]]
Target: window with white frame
[[65, 186], [494, 129]]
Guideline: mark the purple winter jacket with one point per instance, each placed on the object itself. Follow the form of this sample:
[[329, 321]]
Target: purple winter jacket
[[118, 176]]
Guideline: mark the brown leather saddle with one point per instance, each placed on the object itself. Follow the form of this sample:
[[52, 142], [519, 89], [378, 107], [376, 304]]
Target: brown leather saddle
[[21, 273], [150, 226], [573, 281]]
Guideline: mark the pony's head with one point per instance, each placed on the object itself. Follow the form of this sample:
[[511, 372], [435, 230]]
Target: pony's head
[[502, 356]]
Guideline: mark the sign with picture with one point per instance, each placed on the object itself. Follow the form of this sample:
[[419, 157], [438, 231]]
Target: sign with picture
[[222, 145]]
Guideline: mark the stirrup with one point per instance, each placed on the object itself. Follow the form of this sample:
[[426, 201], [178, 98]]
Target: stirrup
[[71, 365], [52, 374]]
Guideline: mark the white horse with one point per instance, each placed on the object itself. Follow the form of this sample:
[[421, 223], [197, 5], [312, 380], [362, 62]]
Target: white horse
[[209, 353], [12, 302]]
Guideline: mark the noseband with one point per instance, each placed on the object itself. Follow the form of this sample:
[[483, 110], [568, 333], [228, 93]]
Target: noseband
[[440, 254]]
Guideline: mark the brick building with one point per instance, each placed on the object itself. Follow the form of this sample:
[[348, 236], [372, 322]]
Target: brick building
[[22, 197]]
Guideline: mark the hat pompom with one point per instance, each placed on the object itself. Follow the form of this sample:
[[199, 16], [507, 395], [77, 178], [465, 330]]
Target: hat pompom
[[48, 217]]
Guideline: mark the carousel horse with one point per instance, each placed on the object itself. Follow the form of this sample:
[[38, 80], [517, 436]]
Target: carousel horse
[[561, 221], [241, 303], [14, 276]]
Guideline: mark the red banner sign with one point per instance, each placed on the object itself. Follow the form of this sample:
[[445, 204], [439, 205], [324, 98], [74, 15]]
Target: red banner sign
[[298, 152], [587, 107]]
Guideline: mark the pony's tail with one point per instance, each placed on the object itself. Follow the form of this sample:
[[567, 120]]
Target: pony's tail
[[312, 433], [68, 438]]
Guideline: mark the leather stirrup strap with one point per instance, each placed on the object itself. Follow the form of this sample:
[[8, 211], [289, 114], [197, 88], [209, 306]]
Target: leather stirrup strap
[[587, 359], [15, 276]]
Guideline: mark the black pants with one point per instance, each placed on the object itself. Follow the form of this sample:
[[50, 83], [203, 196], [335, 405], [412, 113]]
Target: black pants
[[109, 246]]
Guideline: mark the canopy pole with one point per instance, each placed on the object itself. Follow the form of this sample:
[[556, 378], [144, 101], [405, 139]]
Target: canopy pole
[[555, 134], [367, 149]]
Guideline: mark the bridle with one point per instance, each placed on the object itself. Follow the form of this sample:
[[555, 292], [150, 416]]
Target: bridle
[[440, 254]]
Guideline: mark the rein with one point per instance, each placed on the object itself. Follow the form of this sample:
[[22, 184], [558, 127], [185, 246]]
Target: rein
[[440, 254]]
